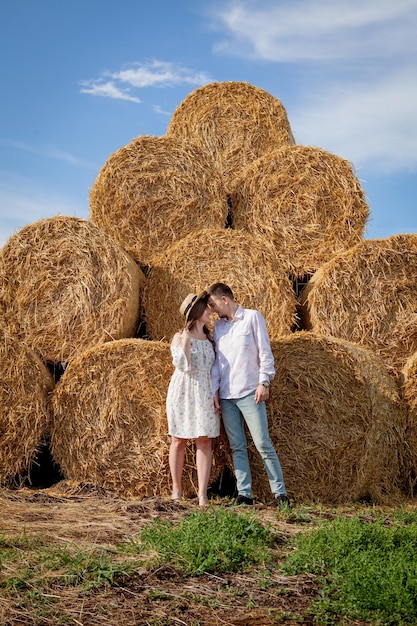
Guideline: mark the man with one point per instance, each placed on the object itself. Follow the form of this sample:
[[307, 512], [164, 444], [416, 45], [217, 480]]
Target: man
[[242, 373]]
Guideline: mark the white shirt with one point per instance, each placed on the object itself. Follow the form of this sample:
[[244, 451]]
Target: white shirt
[[243, 354]]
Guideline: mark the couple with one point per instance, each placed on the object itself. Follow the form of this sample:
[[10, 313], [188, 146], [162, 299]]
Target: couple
[[229, 372]]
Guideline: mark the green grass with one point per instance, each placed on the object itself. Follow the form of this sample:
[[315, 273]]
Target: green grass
[[218, 540], [368, 568], [365, 561]]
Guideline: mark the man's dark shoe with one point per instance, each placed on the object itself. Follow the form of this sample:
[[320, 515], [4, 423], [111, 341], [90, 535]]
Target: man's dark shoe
[[244, 500], [282, 502]]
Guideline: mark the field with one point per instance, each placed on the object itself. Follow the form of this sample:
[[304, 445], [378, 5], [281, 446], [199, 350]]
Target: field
[[69, 556]]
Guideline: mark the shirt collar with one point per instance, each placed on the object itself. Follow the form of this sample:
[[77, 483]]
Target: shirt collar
[[238, 315]]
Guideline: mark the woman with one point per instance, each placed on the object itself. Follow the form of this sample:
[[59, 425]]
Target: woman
[[190, 404]]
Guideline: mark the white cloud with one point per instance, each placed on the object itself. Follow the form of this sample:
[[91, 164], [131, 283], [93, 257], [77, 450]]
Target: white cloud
[[106, 89], [140, 75], [160, 74], [369, 123], [319, 30]]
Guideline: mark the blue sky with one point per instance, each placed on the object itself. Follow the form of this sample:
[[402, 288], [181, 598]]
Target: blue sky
[[81, 78]]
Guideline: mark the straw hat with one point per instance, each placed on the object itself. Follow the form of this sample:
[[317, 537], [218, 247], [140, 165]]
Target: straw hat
[[190, 301]]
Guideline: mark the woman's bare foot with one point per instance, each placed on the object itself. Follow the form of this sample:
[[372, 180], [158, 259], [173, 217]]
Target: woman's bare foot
[[202, 501]]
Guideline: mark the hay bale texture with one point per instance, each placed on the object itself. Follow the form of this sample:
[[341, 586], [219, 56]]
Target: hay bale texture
[[66, 286], [234, 123], [409, 386], [337, 421], [109, 423], [306, 201], [409, 393], [368, 295], [25, 383], [154, 191], [248, 265]]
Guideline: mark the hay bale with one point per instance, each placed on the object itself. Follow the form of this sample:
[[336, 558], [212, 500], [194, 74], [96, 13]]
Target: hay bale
[[233, 122], [65, 286], [24, 412], [368, 295], [249, 265], [154, 191], [337, 421], [109, 423], [306, 201]]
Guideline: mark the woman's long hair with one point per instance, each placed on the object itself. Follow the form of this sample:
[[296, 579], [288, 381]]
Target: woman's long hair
[[195, 313]]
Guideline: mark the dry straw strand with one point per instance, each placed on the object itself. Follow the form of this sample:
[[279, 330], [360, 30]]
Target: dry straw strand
[[25, 383], [109, 423], [154, 191], [337, 421], [368, 295], [65, 286], [305, 200], [234, 122], [248, 265]]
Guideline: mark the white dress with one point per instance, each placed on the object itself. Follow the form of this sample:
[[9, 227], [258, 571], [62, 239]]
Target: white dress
[[189, 404]]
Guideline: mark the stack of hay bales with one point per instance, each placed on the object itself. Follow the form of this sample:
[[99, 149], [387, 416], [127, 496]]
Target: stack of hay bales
[[65, 286], [225, 196]]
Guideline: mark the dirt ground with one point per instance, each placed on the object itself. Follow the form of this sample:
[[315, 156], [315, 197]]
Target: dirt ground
[[92, 517]]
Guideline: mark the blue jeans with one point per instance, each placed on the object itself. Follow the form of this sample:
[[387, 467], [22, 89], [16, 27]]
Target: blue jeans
[[235, 413]]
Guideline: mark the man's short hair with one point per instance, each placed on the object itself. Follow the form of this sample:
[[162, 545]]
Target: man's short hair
[[220, 289]]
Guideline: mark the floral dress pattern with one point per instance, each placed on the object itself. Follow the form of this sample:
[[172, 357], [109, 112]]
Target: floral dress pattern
[[189, 403]]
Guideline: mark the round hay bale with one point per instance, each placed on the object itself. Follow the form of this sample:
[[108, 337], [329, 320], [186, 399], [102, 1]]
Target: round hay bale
[[66, 286], [109, 424], [25, 383], [368, 295], [154, 191], [234, 122], [248, 265], [337, 421], [307, 202]]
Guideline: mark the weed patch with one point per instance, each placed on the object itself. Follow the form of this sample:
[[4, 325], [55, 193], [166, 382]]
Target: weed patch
[[368, 569], [218, 540]]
